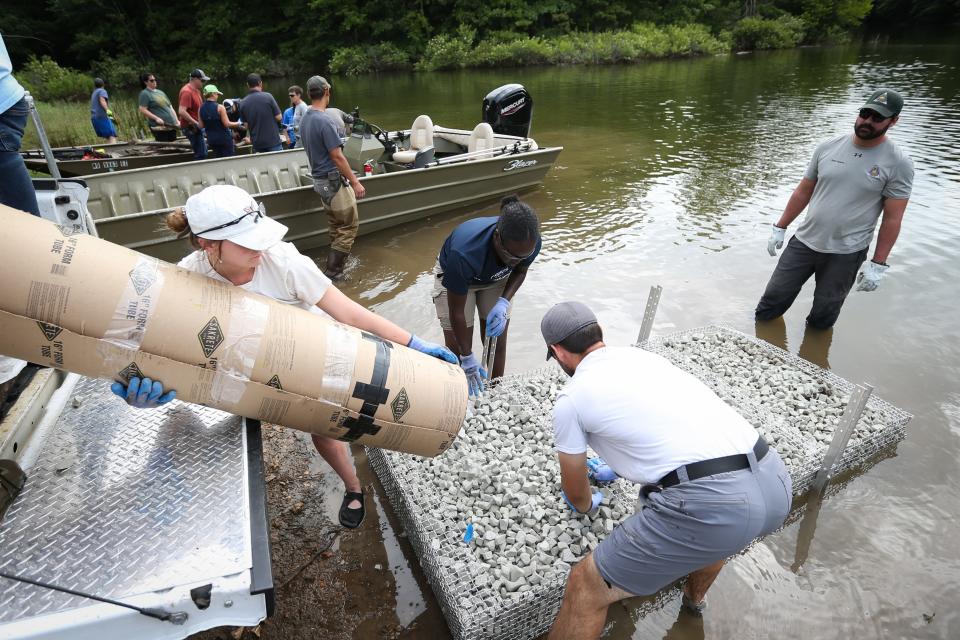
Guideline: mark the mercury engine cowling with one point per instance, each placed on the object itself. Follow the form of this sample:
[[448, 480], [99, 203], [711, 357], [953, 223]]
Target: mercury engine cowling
[[509, 110]]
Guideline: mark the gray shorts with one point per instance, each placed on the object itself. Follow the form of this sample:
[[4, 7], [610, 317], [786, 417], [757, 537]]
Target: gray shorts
[[480, 299], [694, 524]]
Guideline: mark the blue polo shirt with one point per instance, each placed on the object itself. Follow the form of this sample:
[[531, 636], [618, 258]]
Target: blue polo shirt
[[468, 259]]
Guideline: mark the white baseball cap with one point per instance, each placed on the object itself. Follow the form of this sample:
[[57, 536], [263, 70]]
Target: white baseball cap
[[226, 212]]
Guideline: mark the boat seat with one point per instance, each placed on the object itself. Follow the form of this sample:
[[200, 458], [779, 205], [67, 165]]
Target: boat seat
[[421, 137], [481, 139]]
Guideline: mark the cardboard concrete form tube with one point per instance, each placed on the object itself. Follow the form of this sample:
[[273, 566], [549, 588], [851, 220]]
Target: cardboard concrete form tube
[[86, 305]]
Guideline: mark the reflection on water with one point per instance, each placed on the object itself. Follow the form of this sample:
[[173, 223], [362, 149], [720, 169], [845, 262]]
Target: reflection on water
[[671, 174], [814, 348]]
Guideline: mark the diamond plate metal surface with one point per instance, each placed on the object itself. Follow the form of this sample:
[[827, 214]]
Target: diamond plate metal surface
[[124, 501]]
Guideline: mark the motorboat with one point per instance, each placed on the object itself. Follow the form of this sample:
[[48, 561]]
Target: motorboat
[[106, 158], [408, 174]]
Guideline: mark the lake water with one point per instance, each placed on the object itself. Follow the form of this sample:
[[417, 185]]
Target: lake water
[[671, 174]]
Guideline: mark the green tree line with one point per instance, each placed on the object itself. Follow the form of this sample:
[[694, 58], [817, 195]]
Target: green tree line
[[118, 40]]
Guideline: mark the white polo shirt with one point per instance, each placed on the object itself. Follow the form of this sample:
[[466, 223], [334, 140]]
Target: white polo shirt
[[284, 274], [644, 416]]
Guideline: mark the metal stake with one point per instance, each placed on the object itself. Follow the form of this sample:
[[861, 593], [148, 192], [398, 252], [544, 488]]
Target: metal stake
[[649, 313], [841, 435], [42, 133], [489, 354]]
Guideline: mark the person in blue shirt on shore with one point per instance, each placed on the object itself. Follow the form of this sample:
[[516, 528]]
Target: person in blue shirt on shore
[[101, 116], [481, 266], [16, 189], [287, 122]]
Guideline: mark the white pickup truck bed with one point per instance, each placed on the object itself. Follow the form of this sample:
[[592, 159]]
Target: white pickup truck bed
[[140, 506]]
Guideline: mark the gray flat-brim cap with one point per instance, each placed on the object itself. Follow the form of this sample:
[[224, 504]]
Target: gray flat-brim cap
[[563, 320]]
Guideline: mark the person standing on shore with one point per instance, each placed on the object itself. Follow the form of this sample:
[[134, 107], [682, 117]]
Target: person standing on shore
[[157, 109], [262, 115], [481, 266], [101, 116], [16, 189], [188, 109], [333, 179], [850, 181], [218, 126], [237, 243], [299, 107]]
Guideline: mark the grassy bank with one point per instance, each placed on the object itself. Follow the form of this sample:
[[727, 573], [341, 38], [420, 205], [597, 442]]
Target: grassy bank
[[68, 124], [643, 41], [462, 50]]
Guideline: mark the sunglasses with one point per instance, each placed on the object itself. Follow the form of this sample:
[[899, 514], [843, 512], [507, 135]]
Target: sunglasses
[[257, 213], [151, 79], [870, 114], [509, 255], [291, 94]]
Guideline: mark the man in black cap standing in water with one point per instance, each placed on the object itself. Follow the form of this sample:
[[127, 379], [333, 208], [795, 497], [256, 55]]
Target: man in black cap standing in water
[[849, 183]]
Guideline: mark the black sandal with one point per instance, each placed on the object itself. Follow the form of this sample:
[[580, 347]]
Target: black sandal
[[352, 518]]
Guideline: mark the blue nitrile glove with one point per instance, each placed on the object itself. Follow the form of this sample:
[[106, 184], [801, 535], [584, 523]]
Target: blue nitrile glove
[[870, 275], [497, 318], [475, 373], [600, 471], [431, 349], [595, 500], [143, 394], [775, 242]]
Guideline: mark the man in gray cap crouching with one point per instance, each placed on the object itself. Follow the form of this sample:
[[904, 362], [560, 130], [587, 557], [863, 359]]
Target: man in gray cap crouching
[[710, 483]]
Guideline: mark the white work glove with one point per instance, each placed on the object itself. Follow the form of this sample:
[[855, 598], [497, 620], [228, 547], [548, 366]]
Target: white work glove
[[871, 273], [775, 242]]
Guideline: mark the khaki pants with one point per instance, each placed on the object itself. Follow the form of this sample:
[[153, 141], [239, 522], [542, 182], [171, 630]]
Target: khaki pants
[[480, 299], [342, 216]]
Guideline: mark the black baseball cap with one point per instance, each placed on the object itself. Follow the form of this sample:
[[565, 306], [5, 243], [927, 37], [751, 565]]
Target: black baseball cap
[[886, 102], [198, 73], [563, 320]]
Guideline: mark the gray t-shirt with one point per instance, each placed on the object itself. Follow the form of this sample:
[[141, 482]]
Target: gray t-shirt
[[318, 134], [852, 183], [259, 110], [298, 112], [341, 119]]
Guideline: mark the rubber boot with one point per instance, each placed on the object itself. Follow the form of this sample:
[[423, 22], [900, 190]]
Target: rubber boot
[[335, 262]]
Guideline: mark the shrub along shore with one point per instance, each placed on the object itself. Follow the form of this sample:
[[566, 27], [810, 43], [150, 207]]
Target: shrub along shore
[[48, 80]]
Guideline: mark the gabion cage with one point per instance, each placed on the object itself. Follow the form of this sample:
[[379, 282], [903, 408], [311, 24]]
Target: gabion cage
[[474, 609], [880, 426]]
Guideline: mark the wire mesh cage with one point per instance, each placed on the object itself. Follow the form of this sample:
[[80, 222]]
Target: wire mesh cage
[[800, 412], [474, 603]]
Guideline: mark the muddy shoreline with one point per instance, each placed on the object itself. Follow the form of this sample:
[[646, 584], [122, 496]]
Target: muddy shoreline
[[331, 582]]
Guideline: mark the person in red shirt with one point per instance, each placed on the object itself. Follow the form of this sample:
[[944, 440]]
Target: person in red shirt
[[188, 109]]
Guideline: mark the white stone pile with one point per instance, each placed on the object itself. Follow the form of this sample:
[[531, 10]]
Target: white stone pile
[[501, 475]]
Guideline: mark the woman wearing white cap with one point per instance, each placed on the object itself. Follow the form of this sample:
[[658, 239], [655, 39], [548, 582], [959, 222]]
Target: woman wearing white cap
[[237, 243]]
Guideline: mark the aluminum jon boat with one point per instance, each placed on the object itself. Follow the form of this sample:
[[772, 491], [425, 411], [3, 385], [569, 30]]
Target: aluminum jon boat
[[410, 175], [105, 158]]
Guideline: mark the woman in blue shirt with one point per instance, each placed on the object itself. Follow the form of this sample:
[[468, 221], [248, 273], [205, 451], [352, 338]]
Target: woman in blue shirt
[[213, 115], [481, 266]]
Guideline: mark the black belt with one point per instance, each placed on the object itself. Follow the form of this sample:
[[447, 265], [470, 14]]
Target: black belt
[[697, 470]]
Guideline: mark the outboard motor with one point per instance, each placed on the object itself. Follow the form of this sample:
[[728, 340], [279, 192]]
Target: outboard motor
[[509, 110]]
